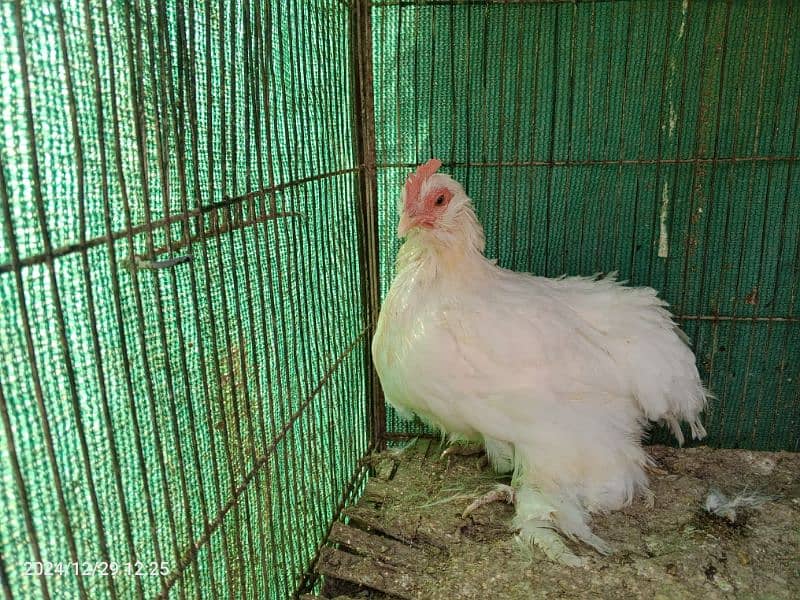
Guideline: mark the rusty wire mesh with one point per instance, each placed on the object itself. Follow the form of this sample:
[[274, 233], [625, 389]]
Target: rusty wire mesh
[[182, 308]]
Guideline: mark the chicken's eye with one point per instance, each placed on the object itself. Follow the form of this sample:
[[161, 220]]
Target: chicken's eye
[[440, 200]]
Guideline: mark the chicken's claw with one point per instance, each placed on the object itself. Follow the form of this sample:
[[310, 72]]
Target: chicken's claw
[[461, 450], [653, 469], [501, 493]]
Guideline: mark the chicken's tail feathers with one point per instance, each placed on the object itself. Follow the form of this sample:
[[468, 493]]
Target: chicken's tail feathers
[[682, 336], [675, 428], [698, 431], [611, 277]]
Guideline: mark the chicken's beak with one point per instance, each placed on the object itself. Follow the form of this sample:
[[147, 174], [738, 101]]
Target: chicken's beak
[[405, 225]]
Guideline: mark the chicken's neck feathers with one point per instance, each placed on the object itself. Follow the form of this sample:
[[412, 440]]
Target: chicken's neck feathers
[[431, 255]]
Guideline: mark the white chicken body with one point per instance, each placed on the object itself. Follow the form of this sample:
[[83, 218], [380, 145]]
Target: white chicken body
[[557, 376]]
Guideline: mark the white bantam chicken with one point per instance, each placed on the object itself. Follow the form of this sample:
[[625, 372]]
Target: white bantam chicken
[[558, 378]]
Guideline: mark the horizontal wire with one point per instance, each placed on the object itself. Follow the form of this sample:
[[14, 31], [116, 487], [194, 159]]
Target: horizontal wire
[[402, 436], [738, 318], [41, 258], [280, 187], [604, 162], [191, 552]]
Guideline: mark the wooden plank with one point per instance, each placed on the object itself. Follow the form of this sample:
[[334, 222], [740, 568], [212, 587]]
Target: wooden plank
[[378, 491], [373, 573], [410, 532], [386, 468], [380, 548]]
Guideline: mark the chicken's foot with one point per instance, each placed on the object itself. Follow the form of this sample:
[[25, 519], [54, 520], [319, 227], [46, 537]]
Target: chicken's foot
[[501, 493], [462, 450], [654, 469]]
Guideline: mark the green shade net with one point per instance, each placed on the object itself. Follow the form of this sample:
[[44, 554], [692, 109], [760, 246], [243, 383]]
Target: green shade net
[[209, 415], [657, 139]]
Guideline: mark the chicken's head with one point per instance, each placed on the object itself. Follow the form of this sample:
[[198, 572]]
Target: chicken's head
[[432, 202]]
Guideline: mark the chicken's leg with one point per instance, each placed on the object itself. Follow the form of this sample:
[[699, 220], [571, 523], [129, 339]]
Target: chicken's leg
[[501, 493], [536, 524]]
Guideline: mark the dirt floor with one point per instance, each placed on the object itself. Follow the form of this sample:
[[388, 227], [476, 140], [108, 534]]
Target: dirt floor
[[406, 538]]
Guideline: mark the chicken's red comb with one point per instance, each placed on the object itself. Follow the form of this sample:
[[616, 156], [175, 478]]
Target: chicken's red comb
[[416, 180]]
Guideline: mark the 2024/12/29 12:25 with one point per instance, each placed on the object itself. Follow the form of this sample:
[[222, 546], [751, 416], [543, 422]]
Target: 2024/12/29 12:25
[[96, 569]]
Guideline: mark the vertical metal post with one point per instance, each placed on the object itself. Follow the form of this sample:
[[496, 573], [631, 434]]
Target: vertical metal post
[[364, 128]]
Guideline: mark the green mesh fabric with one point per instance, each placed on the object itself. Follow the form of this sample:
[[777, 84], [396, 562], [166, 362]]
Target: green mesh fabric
[[658, 139], [210, 415]]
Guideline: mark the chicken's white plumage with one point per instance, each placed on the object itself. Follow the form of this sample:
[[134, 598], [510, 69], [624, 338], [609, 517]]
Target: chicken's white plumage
[[558, 377]]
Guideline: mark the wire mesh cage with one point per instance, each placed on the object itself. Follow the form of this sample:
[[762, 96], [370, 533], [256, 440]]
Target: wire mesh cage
[[197, 215], [183, 333]]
